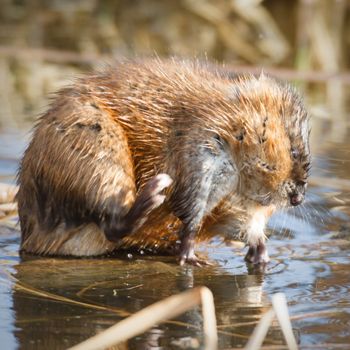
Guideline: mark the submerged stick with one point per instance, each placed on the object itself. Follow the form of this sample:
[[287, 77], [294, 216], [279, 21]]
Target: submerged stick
[[156, 313]]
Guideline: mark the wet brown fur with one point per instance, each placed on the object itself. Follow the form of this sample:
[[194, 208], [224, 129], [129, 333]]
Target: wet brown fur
[[109, 133]]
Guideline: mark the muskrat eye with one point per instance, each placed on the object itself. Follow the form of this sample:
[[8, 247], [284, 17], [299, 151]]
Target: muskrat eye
[[295, 153]]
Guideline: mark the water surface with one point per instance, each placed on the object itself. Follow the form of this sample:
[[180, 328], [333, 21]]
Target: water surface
[[309, 249]]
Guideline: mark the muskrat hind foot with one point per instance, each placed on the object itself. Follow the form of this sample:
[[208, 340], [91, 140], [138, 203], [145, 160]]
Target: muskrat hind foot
[[257, 254], [148, 200], [150, 197]]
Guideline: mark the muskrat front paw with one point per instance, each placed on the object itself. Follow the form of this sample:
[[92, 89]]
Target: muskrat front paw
[[187, 255], [257, 254]]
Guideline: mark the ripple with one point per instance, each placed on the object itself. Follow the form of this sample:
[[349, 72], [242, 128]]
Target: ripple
[[276, 267]]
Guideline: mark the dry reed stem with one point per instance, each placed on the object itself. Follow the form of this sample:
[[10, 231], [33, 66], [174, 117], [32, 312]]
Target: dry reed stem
[[7, 193], [314, 314], [292, 318], [40, 293], [260, 331], [70, 57], [336, 183], [279, 303], [8, 207], [280, 311], [156, 313]]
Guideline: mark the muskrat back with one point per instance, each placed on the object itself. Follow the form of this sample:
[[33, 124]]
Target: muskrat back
[[126, 153]]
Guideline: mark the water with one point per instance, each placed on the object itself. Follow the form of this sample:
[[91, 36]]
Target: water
[[48, 303]]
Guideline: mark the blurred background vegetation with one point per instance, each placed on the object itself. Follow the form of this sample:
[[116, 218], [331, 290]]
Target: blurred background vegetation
[[45, 43]]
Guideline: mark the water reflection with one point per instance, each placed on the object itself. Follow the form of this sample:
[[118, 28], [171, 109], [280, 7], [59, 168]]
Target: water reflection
[[122, 287]]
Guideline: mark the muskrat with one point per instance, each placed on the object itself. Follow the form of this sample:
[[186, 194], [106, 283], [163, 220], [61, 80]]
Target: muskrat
[[226, 150]]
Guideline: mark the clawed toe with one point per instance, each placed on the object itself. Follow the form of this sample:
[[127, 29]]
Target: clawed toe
[[194, 261], [188, 256]]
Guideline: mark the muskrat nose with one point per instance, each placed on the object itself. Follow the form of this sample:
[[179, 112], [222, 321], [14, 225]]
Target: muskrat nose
[[296, 199]]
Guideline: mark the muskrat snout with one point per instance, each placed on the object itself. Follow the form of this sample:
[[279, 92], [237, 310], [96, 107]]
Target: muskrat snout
[[297, 196], [296, 199]]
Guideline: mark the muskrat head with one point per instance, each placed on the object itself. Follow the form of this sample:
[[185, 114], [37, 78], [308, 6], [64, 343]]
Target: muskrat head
[[272, 146], [297, 130]]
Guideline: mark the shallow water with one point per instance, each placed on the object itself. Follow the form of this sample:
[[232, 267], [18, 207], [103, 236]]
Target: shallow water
[[309, 247]]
